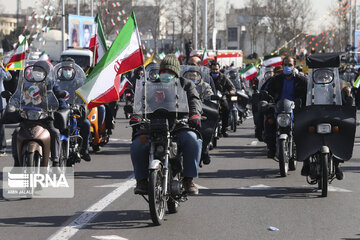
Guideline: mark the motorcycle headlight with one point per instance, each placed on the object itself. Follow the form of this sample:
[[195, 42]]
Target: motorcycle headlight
[[33, 115], [283, 120], [323, 128]]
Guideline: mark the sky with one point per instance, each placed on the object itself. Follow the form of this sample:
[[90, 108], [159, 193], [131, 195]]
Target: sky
[[321, 7]]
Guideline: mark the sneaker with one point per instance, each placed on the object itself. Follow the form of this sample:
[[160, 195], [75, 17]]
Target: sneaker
[[141, 187], [96, 148], [224, 134], [85, 155], [206, 158], [190, 187], [56, 168], [339, 173], [3, 154], [305, 171]]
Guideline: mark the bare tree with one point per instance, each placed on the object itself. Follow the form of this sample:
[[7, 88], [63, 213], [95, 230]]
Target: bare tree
[[256, 14]]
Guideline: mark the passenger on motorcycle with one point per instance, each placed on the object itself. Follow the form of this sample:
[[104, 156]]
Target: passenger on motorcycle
[[196, 61], [47, 123], [287, 85], [189, 141], [225, 87]]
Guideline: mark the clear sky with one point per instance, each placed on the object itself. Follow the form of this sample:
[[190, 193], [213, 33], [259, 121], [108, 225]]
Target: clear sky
[[321, 7]]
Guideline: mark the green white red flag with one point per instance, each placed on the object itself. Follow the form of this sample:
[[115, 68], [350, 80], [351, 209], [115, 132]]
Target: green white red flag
[[204, 58], [97, 42], [16, 62], [104, 84], [272, 61], [177, 54], [249, 72]]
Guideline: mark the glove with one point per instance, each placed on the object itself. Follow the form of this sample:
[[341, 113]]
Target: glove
[[195, 122]]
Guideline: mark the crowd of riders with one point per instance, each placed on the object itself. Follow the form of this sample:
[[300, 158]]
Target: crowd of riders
[[218, 99]]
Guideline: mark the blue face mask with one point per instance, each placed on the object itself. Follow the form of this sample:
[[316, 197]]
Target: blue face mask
[[166, 77], [287, 70], [215, 75]]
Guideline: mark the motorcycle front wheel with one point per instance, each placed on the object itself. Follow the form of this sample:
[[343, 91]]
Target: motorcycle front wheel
[[156, 198], [324, 176], [283, 158]]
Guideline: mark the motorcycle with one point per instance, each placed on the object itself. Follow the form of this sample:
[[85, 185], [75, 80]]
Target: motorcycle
[[98, 134], [69, 78], [324, 130], [161, 105], [32, 102]]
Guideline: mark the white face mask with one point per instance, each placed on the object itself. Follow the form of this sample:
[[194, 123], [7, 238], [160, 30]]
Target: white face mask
[[67, 74], [38, 75], [166, 77]]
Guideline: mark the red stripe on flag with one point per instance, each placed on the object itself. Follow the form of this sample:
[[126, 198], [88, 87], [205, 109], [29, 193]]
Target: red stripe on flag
[[133, 61], [17, 58], [251, 76], [276, 64]]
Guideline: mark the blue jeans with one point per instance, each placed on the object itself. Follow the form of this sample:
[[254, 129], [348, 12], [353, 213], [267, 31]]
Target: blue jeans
[[188, 142]]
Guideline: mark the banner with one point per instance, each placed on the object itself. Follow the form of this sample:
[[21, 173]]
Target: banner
[[80, 30]]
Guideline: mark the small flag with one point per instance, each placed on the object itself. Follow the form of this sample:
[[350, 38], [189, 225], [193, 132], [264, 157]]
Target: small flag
[[161, 55], [118, 4], [44, 57], [204, 58], [249, 72], [113, 4], [272, 61], [98, 40], [17, 60], [106, 11], [357, 83], [177, 54], [112, 22]]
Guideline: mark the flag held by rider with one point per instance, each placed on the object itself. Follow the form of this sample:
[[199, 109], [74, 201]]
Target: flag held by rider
[[17, 60], [249, 72], [97, 42], [103, 84]]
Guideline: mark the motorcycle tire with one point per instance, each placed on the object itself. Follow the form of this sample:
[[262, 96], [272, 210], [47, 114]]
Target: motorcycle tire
[[172, 204], [323, 181], [156, 198], [64, 162], [283, 158], [233, 121], [292, 161]]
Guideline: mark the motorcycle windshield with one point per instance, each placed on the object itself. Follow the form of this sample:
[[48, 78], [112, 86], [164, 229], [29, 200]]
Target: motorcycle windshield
[[34, 92], [324, 87], [152, 96], [233, 75], [69, 77]]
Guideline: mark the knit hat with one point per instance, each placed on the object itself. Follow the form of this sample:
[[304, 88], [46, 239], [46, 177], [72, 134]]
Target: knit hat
[[170, 62]]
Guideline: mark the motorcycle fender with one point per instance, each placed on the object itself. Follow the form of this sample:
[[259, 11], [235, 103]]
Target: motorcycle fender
[[155, 164], [325, 149], [283, 136]]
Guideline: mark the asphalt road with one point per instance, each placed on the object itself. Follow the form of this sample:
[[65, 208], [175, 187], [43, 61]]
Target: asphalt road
[[241, 196]]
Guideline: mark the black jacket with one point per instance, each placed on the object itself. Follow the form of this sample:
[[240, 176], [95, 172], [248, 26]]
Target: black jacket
[[223, 84], [276, 85]]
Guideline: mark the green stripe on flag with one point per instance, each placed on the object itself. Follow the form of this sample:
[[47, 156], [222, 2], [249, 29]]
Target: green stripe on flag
[[247, 68], [101, 31], [121, 42], [357, 82]]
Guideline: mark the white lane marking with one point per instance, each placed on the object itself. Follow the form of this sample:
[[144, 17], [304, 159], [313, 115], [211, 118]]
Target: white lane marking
[[8, 140], [337, 189], [356, 144], [72, 228], [113, 185], [109, 237], [254, 143], [200, 187], [257, 187]]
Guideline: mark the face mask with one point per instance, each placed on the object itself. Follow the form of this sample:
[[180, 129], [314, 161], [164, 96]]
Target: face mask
[[38, 76], [287, 70], [215, 75], [166, 77], [67, 74]]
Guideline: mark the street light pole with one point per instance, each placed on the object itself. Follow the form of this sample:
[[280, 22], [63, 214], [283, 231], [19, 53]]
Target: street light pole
[[205, 24], [196, 25], [63, 26], [92, 8], [77, 7]]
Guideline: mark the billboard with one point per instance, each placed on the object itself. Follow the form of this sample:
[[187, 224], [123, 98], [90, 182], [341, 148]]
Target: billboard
[[80, 29], [357, 46]]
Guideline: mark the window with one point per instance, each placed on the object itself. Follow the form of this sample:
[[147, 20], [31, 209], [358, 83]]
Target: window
[[232, 34]]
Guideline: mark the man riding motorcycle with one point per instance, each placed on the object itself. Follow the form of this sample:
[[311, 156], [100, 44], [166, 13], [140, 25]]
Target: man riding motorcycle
[[225, 87], [287, 85], [47, 123], [189, 141]]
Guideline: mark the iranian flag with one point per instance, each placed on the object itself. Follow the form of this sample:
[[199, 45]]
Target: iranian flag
[[177, 54], [272, 61], [104, 84], [17, 60], [204, 58], [97, 42], [357, 83], [161, 55], [249, 72]]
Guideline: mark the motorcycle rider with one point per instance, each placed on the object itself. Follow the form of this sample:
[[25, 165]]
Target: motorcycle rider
[[225, 87], [83, 122], [189, 141], [287, 85], [196, 61], [47, 123], [4, 76]]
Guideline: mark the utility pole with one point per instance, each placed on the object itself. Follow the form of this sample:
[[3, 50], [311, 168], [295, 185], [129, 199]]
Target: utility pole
[[92, 8], [196, 25], [350, 25], [18, 9], [205, 24], [173, 36], [63, 26], [77, 7]]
